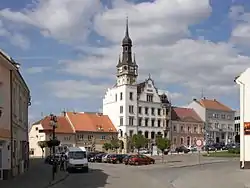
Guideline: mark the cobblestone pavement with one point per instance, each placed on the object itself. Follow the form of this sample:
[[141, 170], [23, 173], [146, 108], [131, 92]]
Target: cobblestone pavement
[[39, 176], [216, 175]]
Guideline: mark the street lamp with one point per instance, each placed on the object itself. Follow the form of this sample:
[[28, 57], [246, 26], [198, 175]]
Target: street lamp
[[53, 121]]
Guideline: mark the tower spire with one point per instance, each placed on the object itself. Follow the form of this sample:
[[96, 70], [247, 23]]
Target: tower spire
[[127, 32]]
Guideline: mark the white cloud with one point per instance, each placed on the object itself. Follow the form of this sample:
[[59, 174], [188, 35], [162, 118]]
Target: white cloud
[[152, 22], [64, 20], [73, 89], [35, 70]]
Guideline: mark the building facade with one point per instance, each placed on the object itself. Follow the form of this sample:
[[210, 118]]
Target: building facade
[[135, 108], [89, 130], [14, 103], [218, 118], [237, 123], [187, 127]]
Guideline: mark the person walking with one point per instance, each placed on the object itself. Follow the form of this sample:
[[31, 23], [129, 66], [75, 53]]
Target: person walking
[[62, 162]]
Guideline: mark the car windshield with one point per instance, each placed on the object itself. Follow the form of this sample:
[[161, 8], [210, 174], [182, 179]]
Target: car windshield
[[77, 155]]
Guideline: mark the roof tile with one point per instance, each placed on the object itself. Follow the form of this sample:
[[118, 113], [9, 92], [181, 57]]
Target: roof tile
[[92, 122], [185, 114], [214, 105]]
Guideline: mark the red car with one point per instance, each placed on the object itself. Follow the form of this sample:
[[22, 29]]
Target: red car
[[140, 160]]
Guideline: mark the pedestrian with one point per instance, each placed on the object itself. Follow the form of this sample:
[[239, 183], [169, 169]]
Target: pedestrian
[[62, 162]]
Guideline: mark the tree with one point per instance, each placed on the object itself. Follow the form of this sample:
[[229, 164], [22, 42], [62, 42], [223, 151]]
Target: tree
[[107, 146], [115, 144], [162, 144], [42, 145], [52, 143], [139, 141]]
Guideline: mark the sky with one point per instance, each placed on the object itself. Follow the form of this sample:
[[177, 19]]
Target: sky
[[69, 49]]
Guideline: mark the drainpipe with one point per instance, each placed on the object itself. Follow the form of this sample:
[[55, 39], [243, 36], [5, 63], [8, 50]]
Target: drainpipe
[[242, 123]]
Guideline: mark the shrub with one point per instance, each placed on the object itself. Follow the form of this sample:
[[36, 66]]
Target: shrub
[[235, 151]]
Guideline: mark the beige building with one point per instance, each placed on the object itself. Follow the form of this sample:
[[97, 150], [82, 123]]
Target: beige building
[[187, 127], [14, 102], [90, 130]]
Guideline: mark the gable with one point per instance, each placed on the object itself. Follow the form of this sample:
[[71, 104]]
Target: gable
[[149, 89]]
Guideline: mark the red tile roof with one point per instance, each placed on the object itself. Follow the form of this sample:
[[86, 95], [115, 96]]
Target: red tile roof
[[185, 114], [91, 122], [214, 105], [63, 126]]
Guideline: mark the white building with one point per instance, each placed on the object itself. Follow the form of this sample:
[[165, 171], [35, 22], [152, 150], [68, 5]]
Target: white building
[[14, 102], [237, 122], [218, 118], [135, 108]]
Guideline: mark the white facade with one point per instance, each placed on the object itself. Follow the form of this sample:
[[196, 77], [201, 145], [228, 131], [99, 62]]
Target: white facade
[[237, 122], [244, 81], [219, 124]]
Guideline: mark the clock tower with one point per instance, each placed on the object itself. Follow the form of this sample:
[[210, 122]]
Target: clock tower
[[127, 69]]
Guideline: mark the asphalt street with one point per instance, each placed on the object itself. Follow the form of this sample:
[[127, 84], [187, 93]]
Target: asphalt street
[[216, 175]]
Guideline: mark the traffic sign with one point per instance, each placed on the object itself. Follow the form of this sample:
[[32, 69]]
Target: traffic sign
[[199, 143]]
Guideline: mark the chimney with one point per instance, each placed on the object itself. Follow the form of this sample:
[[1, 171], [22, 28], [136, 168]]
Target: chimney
[[64, 113]]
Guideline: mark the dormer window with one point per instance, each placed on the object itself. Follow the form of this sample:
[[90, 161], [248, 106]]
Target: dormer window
[[125, 67]]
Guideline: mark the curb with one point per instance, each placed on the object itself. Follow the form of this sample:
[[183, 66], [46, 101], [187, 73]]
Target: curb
[[202, 164], [52, 183]]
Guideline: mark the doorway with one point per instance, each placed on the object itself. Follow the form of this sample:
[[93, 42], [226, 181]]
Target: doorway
[[1, 163], [217, 139]]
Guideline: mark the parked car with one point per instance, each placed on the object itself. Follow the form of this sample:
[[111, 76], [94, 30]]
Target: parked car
[[117, 158], [98, 157], [182, 149], [105, 158], [192, 148], [126, 159], [150, 160], [218, 146], [139, 160], [209, 148]]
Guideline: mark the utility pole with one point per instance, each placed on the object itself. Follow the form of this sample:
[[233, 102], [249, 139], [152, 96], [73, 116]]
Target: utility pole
[[53, 121]]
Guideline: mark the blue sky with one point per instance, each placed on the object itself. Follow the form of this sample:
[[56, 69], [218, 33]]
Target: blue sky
[[69, 49]]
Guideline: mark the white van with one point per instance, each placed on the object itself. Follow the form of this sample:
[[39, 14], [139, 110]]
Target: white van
[[77, 159]]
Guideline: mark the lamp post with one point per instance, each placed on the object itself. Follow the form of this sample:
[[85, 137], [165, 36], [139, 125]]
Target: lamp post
[[53, 121]]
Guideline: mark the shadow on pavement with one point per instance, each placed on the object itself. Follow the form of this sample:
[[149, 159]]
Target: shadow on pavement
[[96, 178]]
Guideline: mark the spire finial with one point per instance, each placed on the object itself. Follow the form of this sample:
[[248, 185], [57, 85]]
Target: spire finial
[[127, 33], [119, 58], [149, 76]]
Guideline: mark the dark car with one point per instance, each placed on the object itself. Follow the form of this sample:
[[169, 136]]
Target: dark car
[[209, 148], [218, 146], [117, 158], [91, 156], [98, 157], [182, 149]]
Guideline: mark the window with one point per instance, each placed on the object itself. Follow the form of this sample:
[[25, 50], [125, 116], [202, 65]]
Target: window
[[121, 109], [182, 140], [146, 110], [182, 128], [216, 125], [120, 96], [131, 96], [152, 122], [174, 128], [195, 129], [216, 116], [152, 111], [131, 132], [139, 110], [36, 128], [121, 121], [90, 137], [149, 98], [140, 122], [80, 137], [131, 109], [115, 97], [159, 112], [223, 116], [174, 140], [146, 122], [189, 130], [131, 120], [229, 117], [103, 137], [159, 123]]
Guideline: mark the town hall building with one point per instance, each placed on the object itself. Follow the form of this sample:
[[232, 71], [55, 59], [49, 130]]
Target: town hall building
[[135, 108]]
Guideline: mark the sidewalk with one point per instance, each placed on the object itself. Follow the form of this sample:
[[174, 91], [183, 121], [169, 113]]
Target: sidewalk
[[39, 175]]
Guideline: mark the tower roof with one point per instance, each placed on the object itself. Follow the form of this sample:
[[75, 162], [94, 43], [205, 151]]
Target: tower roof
[[127, 40]]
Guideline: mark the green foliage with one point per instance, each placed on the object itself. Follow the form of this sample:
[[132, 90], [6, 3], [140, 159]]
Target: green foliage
[[52, 143], [162, 143], [115, 143], [235, 151], [107, 146], [139, 141]]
